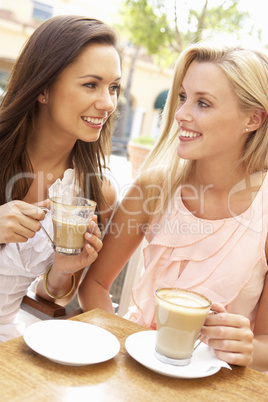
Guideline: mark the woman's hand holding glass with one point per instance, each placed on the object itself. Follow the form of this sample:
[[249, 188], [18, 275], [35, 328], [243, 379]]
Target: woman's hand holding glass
[[229, 335], [19, 221], [73, 263], [62, 278]]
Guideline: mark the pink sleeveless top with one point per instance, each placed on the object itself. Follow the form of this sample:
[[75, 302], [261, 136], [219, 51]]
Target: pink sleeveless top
[[222, 259]]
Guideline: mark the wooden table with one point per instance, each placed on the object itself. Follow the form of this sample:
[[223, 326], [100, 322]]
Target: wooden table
[[27, 376]]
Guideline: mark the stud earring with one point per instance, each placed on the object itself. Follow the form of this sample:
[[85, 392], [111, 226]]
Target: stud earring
[[43, 100], [246, 129]]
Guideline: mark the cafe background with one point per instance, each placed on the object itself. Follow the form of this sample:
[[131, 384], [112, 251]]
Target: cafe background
[[152, 33]]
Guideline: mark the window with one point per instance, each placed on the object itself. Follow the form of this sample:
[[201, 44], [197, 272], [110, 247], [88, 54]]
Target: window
[[41, 11]]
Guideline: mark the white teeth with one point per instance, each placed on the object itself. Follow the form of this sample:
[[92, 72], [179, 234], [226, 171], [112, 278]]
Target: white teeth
[[92, 120], [188, 134]]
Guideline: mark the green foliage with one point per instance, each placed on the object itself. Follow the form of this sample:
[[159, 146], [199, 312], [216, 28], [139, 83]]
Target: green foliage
[[150, 25], [145, 24], [144, 140], [229, 18]]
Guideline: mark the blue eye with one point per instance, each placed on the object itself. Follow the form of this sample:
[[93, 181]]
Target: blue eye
[[203, 104], [182, 97]]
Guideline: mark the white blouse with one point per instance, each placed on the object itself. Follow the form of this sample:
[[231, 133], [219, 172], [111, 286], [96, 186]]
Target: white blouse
[[22, 263]]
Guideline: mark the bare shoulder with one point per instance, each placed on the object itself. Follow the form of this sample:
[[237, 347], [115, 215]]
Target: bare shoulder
[[109, 192], [106, 210]]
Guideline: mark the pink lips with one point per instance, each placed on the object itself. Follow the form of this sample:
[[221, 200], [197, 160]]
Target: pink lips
[[92, 125]]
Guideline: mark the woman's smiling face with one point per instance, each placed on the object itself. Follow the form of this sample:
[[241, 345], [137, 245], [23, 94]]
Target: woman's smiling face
[[212, 123], [85, 94]]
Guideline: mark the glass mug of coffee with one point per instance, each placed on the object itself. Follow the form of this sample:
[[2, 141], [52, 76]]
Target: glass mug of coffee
[[70, 217], [180, 315]]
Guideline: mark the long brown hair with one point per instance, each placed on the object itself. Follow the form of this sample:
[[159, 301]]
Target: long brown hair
[[52, 47]]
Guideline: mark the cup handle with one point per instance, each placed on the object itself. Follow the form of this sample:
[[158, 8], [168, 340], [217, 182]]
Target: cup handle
[[201, 338], [42, 227]]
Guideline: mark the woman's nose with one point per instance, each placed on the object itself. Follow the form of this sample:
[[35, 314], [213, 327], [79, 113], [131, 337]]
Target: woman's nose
[[183, 112], [106, 102]]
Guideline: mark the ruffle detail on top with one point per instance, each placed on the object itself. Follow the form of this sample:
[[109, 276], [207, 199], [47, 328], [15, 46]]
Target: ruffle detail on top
[[213, 261]]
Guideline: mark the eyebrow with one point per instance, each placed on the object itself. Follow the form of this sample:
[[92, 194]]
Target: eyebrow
[[201, 93], [97, 77]]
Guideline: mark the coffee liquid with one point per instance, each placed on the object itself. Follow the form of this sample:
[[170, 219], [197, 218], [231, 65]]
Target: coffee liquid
[[70, 234]]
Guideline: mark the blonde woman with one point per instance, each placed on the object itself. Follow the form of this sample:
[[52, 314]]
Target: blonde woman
[[201, 201]]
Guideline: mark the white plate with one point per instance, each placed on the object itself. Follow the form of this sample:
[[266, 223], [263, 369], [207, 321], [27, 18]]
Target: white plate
[[141, 346], [71, 342]]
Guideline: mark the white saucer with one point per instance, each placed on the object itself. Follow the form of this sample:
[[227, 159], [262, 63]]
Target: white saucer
[[141, 347], [71, 342]]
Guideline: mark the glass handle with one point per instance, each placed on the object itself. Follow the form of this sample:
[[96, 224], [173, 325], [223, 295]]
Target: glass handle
[[42, 227]]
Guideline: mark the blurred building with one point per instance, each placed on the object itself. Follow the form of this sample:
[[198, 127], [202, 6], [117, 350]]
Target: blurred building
[[150, 84]]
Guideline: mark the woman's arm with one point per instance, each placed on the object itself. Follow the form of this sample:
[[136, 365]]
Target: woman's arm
[[124, 235], [106, 211], [64, 276], [260, 342]]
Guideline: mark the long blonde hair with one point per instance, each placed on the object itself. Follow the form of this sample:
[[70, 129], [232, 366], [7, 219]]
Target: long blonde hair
[[247, 71]]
